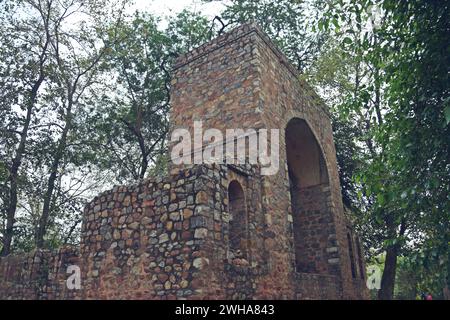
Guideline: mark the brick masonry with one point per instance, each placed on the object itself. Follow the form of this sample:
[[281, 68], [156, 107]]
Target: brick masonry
[[174, 237]]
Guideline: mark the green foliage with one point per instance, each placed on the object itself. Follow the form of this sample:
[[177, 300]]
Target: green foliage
[[131, 114], [187, 31], [401, 97], [48, 66], [420, 272], [290, 24]]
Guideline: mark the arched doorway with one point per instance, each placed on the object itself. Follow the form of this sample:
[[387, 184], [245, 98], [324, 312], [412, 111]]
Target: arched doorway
[[238, 219], [310, 194]]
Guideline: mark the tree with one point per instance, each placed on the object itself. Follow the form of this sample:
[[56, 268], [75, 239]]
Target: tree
[[25, 67], [58, 64], [288, 23], [419, 95], [133, 119], [405, 177], [135, 114], [50, 62]]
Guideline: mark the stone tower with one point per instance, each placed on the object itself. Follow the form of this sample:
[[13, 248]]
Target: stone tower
[[224, 231], [295, 240]]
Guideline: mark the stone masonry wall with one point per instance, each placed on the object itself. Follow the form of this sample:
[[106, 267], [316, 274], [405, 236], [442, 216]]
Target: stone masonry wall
[[241, 80], [220, 84], [146, 241], [284, 97], [40, 274], [311, 229]]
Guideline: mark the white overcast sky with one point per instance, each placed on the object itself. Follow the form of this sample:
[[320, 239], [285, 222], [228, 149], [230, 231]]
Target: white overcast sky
[[163, 8]]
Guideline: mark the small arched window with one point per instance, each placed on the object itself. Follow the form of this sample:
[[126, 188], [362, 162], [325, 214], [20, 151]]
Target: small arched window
[[351, 254], [360, 259], [238, 219]]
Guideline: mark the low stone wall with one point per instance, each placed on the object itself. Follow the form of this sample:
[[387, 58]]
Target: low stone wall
[[40, 274], [144, 241], [137, 242]]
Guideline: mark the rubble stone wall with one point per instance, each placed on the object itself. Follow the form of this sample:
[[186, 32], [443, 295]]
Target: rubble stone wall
[[147, 241], [40, 274]]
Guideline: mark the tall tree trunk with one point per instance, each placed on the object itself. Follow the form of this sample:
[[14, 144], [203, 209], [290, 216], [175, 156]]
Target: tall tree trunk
[[14, 171], [43, 221], [390, 264], [12, 200], [72, 99], [144, 154], [388, 279], [17, 161]]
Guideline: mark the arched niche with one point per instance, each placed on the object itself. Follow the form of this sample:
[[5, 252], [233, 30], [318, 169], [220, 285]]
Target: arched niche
[[310, 197], [351, 255], [237, 235]]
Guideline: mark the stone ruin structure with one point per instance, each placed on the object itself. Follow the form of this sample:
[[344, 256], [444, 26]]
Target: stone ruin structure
[[218, 231]]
